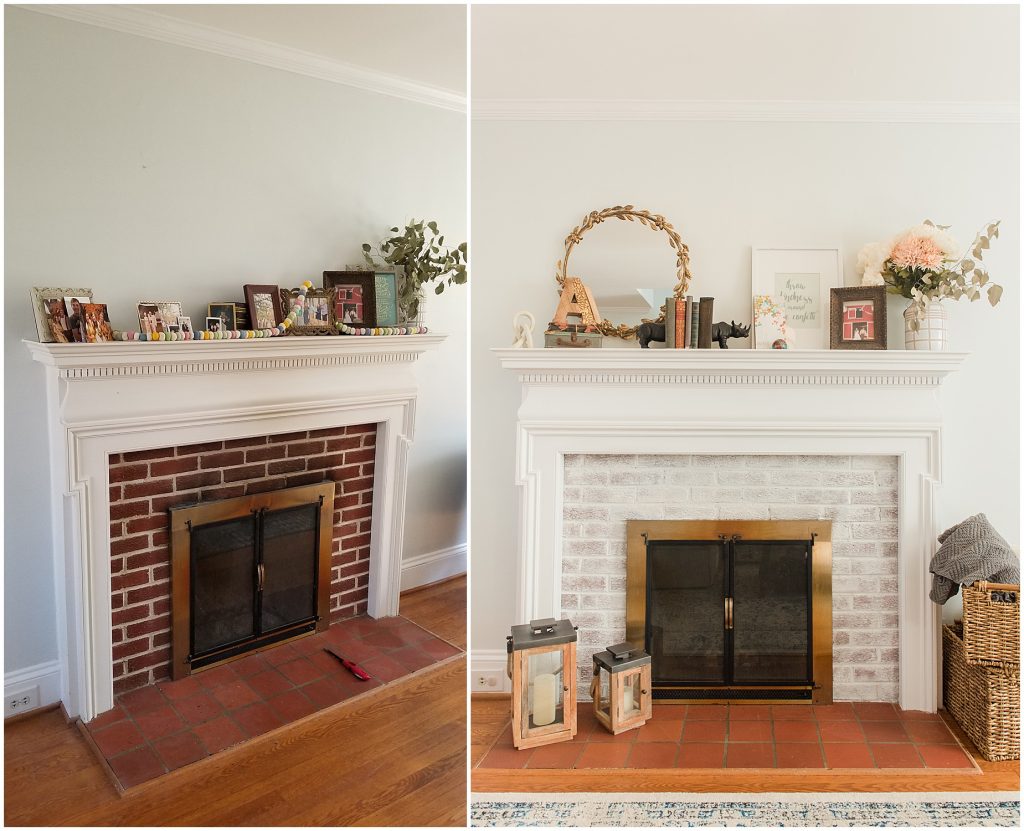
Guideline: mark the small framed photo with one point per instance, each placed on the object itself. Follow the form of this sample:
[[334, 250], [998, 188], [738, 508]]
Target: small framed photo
[[75, 307], [801, 278], [264, 303], [53, 314], [317, 316], [214, 324], [354, 297], [858, 318], [156, 316], [226, 312], [185, 322], [96, 324]]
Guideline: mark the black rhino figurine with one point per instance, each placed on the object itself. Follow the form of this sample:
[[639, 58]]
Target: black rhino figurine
[[721, 332]]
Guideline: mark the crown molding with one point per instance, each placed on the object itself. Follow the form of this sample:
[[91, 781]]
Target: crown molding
[[160, 27], [850, 112]]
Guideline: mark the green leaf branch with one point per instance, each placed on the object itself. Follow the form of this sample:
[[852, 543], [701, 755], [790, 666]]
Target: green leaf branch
[[420, 251]]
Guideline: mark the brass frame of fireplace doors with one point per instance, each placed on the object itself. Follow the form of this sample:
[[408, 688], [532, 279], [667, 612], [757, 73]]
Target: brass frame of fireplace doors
[[182, 520], [639, 531]]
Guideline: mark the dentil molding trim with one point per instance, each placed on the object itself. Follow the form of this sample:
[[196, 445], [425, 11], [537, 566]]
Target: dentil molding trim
[[850, 112], [744, 367], [131, 358], [148, 24]]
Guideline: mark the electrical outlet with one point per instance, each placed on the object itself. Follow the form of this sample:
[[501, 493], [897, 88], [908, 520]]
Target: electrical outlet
[[486, 681], [21, 701]]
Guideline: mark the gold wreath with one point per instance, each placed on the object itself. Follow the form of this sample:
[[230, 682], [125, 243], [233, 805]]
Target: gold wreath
[[628, 213]]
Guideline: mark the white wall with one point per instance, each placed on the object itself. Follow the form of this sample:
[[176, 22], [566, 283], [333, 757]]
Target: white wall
[[725, 187], [149, 171]]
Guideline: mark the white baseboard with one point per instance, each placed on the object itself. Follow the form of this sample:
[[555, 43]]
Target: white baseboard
[[433, 566], [489, 662], [44, 676]]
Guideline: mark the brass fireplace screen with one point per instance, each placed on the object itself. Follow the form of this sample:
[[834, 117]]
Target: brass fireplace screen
[[247, 573], [732, 610]]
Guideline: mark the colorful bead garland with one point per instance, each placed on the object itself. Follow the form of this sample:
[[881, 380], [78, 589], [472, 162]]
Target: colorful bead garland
[[345, 329], [279, 330]]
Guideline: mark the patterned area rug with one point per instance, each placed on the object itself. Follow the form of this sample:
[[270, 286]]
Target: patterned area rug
[[836, 810]]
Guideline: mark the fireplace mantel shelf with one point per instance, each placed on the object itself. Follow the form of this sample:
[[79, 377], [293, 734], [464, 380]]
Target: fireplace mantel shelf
[[105, 360], [733, 366]]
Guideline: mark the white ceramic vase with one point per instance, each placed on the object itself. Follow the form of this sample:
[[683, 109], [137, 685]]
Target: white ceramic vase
[[931, 331]]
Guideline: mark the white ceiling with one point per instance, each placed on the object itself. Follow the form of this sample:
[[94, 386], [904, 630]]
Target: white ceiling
[[422, 43], [746, 53]]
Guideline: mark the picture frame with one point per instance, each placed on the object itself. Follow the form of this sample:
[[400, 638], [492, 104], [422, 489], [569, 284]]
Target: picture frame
[[186, 325], [42, 299], [387, 282], [802, 278], [317, 316], [857, 318], [214, 324], [225, 310], [355, 302], [96, 323], [156, 315], [264, 305]]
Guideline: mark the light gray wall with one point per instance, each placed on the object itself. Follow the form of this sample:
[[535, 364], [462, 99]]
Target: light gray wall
[[150, 171]]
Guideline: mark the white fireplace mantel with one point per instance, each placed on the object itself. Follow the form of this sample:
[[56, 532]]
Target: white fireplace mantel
[[740, 401], [122, 397]]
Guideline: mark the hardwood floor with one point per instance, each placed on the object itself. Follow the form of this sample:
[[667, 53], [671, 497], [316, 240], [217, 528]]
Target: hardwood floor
[[397, 757], [490, 717]]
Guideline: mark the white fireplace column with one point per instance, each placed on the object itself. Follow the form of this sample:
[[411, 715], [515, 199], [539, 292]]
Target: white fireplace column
[[716, 402], [122, 397]]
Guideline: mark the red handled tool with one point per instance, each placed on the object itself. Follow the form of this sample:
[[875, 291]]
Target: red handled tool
[[355, 669]]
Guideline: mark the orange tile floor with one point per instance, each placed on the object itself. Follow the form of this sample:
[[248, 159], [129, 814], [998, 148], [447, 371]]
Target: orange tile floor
[[156, 729], [835, 736]]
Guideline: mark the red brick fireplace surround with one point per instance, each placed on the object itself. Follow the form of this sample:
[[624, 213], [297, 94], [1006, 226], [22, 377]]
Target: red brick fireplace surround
[[145, 484]]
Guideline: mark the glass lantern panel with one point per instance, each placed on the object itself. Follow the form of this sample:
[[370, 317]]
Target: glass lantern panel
[[631, 695], [604, 692], [545, 675]]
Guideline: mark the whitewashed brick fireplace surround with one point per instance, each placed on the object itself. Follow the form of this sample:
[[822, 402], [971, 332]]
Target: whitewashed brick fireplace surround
[[850, 407], [112, 398]]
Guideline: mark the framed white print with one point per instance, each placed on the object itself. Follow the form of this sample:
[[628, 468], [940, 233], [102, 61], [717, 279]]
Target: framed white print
[[802, 280]]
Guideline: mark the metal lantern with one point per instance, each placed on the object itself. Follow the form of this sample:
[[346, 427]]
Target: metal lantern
[[542, 666], [621, 688]]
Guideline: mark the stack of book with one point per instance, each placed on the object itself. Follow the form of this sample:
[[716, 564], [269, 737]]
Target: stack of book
[[688, 323]]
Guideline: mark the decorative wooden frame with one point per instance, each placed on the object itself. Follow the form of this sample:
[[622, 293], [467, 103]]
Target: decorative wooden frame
[[182, 520], [523, 736], [639, 532], [42, 295], [251, 290], [229, 304], [366, 280], [869, 294], [628, 213], [393, 313], [329, 328]]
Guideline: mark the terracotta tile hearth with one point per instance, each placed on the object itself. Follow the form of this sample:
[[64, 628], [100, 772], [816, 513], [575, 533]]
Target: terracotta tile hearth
[[158, 728], [827, 737]]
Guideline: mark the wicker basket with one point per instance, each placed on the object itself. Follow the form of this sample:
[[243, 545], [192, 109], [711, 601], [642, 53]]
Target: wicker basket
[[985, 701], [992, 624]]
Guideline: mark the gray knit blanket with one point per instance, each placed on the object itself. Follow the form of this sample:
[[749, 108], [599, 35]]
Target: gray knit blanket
[[970, 551]]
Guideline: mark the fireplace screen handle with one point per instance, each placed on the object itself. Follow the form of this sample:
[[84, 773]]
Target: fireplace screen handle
[[728, 613], [260, 575]]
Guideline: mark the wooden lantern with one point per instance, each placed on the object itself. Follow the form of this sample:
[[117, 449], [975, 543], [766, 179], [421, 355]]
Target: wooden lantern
[[542, 666], [621, 688]]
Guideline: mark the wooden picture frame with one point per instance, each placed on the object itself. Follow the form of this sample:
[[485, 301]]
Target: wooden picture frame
[[355, 299], [857, 318], [42, 297], [258, 308], [387, 284], [225, 310], [317, 316]]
